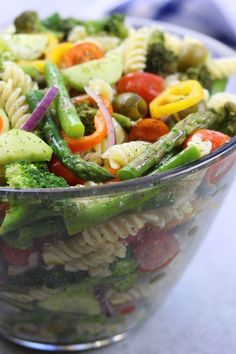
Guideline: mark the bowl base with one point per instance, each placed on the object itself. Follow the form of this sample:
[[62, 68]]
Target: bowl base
[[64, 347]]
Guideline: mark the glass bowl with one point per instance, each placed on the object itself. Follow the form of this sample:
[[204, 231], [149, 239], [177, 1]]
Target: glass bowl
[[82, 267]]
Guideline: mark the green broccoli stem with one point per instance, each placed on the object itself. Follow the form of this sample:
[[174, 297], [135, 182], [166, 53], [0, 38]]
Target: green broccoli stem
[[183, 158], [38, 230], [155, 152], [83, 169], [66, 111], [21, 213]]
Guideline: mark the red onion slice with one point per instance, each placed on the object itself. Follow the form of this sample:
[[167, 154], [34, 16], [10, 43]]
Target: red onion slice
[[107, 116], [40, 110]]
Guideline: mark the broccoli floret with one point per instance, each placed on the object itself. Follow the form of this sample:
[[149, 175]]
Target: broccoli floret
[[56, 23], [87, 113], [228, 119], [127, 283], [200, 73], [29, 22], [115, 25], [124, 266], [23, 174], [160, 60]]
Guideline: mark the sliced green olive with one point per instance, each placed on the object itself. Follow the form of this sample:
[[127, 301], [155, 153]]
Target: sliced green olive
[[130, 105], [193, 54]]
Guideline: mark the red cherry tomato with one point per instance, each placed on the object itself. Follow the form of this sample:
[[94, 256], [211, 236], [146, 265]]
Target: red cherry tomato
[[56, 167], [14, 256], [125, 309], [147, 85], [154, 249], [216, 138], [148, 129]]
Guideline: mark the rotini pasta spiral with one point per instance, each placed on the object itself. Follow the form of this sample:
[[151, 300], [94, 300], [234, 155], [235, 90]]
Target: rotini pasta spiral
[[98, 246], [136, 50], [18, 77], [34, 294], [101, 87], [13, 102], [120, 155], [13, 87], [92, 157], [222, 68]]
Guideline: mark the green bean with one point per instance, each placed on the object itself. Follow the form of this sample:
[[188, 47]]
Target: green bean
[[81, 168], [67, 114]]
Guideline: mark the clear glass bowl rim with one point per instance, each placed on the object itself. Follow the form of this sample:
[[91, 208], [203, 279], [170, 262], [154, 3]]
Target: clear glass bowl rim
[[146, 181]]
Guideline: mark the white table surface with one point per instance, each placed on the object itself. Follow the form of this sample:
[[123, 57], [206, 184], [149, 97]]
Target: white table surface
[[199, 316]]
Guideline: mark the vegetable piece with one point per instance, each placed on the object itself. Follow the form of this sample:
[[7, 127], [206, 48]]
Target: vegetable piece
[[192, 55], [124, 121], [55, 23], [81, 53], [57, 53], [105, 109], [149, 130], [124, 266], [56, 167], [21, 145], [131, 105], [23, 174], [126, 283], [4, 122], [87, 113], [154, 153], [183, 158], [214, 137], [146, 85], [40, 110], [154, 249], [200, 73], [25, 46], [78, 76], [89, 141], [218, 85], [160, 60], [67, 114], [29, 22], [83, 169], [227, 115], [177, 98], [220, 169], [14, 256]]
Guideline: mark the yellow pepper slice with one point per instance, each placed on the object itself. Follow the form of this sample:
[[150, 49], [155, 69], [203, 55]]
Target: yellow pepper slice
[[38, 64], [56, 54], [177, 98]]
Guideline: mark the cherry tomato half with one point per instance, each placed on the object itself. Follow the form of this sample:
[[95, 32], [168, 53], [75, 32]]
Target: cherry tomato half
[[216, 138], [14, 256], [56, 167], [146, 85], [148, 129], [154, 249]]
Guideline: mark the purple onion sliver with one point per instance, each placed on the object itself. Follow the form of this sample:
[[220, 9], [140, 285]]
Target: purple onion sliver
[[107, 116], [40, 110], [231, 85]]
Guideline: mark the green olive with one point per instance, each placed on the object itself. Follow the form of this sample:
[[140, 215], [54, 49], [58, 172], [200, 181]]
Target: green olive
[[193, 54], [130, 105]]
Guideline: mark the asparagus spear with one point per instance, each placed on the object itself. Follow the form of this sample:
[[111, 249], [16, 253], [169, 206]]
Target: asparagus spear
[[67, 114], [154, 153], [183, 158], [86, 170]]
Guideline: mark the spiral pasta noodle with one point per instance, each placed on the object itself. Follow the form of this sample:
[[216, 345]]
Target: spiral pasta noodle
[[34, 294], [222, 67], [136, 50], [98, 246], [18, 77], [122, 154], [14, 103], [92, 157]]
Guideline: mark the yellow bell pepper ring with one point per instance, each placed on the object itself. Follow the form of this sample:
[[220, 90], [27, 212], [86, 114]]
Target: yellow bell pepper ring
[[176, 98], [56, 54]]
